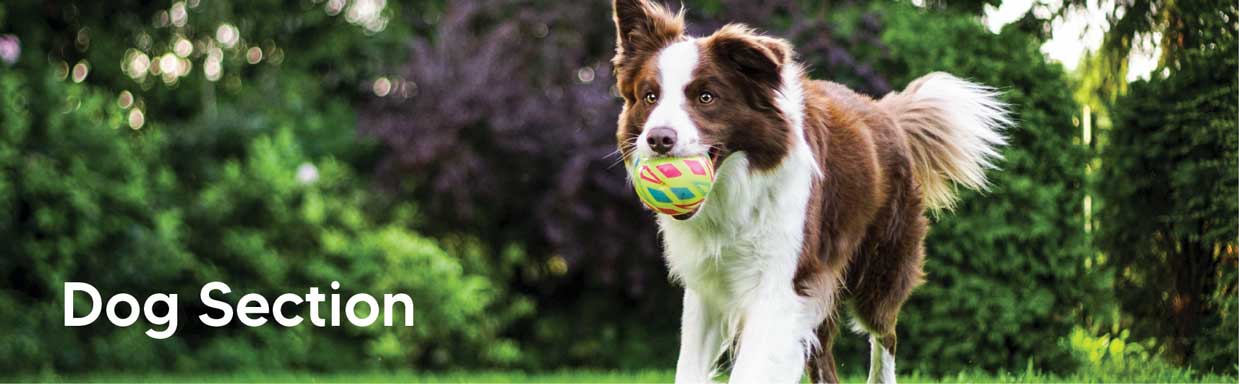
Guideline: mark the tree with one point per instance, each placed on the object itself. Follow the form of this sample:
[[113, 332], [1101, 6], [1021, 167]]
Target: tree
[[1170, 219]]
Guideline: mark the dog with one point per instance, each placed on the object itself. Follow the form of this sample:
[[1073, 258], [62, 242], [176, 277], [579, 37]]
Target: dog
[[820, 196]]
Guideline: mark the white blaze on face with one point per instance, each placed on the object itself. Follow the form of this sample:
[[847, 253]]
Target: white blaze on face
[[676, 64]]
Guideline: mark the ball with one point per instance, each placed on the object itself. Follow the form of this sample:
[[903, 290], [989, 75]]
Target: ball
[[673, 185]]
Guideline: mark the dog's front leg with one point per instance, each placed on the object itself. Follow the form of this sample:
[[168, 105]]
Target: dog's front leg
[[700, 340], [771, 349]]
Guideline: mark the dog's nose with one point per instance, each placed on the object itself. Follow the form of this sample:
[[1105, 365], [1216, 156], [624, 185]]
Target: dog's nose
[[661, 139]]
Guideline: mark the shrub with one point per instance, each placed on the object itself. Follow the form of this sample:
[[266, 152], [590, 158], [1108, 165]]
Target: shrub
[[1169, 219], [1116, 357], [86, 198], [80, 192]]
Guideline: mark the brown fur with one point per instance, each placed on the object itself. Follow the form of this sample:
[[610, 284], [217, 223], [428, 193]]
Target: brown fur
[[865, 223], [740, 68], [742, 72], [645, 78], [641, 29]]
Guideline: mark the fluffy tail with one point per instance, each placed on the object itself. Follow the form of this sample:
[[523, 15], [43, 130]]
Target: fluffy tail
[[955, 130]]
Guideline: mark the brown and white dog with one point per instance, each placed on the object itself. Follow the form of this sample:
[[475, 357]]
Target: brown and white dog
[[820, 196]]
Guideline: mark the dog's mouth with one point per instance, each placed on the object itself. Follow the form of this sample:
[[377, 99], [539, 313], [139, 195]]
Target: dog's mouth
[[717, 154]]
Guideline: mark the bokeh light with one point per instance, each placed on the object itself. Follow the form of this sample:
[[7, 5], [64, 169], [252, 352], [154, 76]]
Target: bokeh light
[[136, 64], [168, 64], [585, 75], [368, 14], [80, 70], [125, 100], [307, 173], [178, 14], [227, 35], [136, 119], [333, 7], [170, 67], [382, 86], [253, 55], [213, 67], [183, 47], [162, 19]]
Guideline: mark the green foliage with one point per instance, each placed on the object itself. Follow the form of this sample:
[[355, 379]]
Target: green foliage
[[1006, 270], [85, 198], [1115, 357], [279, 232], [258, 179], [77, 194], [1168, 181], [213, 187]]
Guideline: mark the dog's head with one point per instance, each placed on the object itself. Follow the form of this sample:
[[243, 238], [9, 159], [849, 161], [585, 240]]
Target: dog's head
[[685, 96]]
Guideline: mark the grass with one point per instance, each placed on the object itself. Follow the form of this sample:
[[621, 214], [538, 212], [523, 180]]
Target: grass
[[593, 377]]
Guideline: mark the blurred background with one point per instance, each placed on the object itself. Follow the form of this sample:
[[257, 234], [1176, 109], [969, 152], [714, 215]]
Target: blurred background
[[461, 152]]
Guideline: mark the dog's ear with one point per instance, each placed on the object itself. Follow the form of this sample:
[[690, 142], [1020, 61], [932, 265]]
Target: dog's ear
[[642, 27], [758, 58]]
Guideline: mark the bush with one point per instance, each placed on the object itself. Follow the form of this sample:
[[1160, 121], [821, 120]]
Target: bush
[[1116, 357], [85, 198], [249, 179], [278, 221], [79, 192], [1168, 181]]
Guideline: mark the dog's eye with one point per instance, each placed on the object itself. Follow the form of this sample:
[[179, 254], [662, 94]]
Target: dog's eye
[[651, 98], [706, 97]]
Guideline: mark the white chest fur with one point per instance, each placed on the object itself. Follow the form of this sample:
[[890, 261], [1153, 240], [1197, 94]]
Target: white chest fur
[[751, 228], [746, 237], [738, 256]]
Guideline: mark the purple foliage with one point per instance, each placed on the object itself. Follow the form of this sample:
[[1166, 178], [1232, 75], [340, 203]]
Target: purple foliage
[[510, 133]]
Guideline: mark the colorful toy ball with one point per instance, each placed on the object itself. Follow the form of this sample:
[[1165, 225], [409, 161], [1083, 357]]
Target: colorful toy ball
[[674, 186]]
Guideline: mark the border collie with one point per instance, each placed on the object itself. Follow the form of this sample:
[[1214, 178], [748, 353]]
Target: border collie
[[820, 196]]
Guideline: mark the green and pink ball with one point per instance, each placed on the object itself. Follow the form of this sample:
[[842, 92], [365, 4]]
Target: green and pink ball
[[673, 186]]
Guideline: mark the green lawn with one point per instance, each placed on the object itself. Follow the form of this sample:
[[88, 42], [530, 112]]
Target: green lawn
[[591, 377]]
